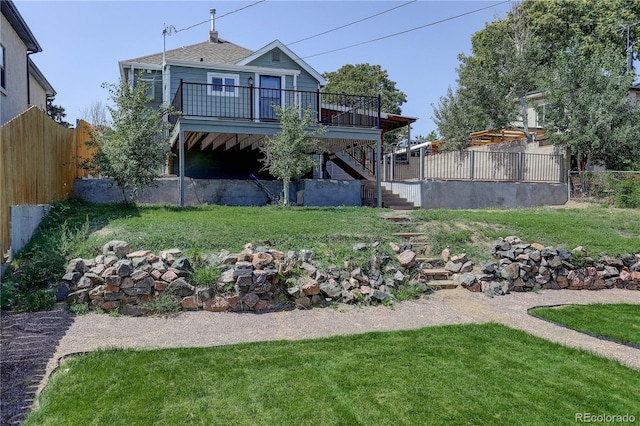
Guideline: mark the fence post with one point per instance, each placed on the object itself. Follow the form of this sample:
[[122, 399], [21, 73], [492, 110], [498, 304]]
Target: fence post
[[422, 163], [520, 166], [562, 174], [472, 164], [393, 163]]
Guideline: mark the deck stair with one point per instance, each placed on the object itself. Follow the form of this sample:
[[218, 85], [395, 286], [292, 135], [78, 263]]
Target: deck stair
[[389, 199], [436, 277]]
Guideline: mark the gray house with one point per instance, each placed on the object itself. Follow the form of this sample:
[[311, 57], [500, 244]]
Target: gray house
[[22, 84], [226, 95]]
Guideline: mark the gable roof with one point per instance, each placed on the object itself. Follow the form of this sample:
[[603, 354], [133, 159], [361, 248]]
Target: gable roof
[[221, 52], [10, 11], [277, 43]]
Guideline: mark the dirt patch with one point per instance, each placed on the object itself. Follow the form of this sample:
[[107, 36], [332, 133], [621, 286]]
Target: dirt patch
[[27, 342], [104, 231]]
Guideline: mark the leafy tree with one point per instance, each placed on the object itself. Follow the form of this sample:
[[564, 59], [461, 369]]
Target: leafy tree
[[287, 154], [431, 136], [57, 113], [366, 80], [589, 110], [133, 150], [456, 117], [370, 80]]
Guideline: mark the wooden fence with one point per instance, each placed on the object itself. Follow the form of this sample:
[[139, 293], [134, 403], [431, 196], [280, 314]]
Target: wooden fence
[[38, 164]]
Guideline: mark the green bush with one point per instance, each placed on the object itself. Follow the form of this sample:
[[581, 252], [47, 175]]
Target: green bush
[[165, 304], [79, 308], [628, 194], [7, 295], [205, 275], [40, 300]]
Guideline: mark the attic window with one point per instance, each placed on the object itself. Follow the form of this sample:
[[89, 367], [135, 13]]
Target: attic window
[[275, 56]]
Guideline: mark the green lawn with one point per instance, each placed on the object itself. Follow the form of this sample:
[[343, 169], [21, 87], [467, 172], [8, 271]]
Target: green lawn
[[616, 321], [462, 374]]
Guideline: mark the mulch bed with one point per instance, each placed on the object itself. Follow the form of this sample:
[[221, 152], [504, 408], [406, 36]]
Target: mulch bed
[[27, 342]]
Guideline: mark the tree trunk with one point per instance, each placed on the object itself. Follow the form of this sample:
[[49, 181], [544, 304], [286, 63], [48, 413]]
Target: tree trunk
[[525, 118], [285, 192]]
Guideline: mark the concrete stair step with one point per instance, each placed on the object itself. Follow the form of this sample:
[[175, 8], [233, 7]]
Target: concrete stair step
[[429, 260], [443, 284], [435, 272], [407, 235]]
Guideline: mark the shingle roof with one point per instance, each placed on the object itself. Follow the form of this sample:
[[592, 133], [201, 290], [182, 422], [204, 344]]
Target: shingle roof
[[222, 52]]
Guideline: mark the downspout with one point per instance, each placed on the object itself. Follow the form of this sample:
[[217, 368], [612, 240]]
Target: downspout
[[29, 79]]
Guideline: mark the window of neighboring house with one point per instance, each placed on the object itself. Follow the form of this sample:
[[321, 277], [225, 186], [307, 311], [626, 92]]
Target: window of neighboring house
[[3, 82], [222, 84], [541, 114]]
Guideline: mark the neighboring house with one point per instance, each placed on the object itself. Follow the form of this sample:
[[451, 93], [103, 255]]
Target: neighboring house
[[22, 84], [226, 95]]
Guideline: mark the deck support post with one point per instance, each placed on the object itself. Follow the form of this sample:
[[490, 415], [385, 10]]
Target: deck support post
[[181, 165]]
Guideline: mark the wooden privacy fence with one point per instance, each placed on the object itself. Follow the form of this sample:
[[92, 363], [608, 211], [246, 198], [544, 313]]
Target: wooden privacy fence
[[38, 164]]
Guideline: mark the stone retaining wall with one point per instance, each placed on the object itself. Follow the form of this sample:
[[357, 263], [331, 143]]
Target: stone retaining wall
[[530, 266], [256, 279]]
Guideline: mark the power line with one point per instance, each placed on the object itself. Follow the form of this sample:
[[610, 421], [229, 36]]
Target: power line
[[407, 31], [351, 23], [217, 17]]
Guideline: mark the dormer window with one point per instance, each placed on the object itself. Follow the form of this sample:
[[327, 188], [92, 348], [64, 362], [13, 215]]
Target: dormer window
[[222, 84]]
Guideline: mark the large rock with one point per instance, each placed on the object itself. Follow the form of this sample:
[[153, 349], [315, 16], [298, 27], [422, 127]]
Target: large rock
[[180, 287], [407, 258], [117, 248]]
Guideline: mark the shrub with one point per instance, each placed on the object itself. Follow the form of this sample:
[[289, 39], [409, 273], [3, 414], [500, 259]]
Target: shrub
[[79, 308], [7, 295], [205, 275], [40, 300], [628, 194], [165, 304]]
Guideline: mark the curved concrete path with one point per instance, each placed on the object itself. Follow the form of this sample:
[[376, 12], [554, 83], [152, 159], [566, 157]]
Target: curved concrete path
[[201, 329]]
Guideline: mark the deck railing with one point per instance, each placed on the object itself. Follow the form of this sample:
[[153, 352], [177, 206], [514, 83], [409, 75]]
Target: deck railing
[[257, 104], [477, 165]]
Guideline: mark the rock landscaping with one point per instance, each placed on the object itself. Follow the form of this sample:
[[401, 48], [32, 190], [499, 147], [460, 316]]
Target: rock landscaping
[[530, 266], [263, 279], [255, 280]]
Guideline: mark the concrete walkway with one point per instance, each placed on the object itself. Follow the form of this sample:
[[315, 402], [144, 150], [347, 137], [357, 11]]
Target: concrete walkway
[[201, 329]]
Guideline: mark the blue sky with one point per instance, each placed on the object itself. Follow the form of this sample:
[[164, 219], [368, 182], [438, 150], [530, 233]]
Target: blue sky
[[83, 41]]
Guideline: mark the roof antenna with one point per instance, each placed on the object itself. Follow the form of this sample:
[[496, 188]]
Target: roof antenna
[[213, 34]]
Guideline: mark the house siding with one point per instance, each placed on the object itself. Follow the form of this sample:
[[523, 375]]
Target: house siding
[[13, 99], [305, 81]]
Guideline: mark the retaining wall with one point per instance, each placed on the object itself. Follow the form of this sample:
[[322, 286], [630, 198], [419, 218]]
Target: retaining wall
[[226, 192], [479, 194]]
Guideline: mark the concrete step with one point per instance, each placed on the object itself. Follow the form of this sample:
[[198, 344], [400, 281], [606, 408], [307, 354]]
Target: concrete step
[[407, 235], [442, 284], [435, 272], [429, 260]]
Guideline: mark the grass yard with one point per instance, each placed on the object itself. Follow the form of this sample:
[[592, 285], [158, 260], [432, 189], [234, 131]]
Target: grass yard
[[461, 374], [78, 229], [616, 321]]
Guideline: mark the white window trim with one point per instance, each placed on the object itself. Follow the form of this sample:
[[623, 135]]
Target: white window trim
[[236, 82]]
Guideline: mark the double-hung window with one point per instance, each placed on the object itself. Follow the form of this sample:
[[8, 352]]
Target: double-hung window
[[222, 84]]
